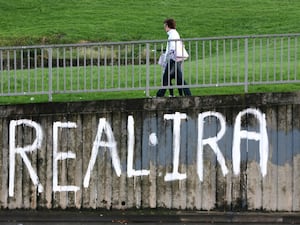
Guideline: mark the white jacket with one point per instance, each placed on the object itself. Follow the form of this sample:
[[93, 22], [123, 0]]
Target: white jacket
[[175, 49]]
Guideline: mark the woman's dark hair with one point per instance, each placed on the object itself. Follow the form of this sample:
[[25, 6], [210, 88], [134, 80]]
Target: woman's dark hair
[[171, 23]]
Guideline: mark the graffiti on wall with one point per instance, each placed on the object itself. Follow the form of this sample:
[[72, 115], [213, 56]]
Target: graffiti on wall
[[104, 128]]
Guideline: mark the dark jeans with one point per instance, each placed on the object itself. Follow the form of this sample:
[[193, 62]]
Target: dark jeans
[[170, 74]]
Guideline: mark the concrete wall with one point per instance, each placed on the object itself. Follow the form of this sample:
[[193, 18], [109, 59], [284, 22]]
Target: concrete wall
[[236, 152]]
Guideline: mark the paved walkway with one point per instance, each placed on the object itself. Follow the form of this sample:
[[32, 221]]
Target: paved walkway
[[76, 217]]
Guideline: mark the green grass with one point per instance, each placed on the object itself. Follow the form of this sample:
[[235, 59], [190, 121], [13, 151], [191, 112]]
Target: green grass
[[34, 22], [208, 91], [29, 22]]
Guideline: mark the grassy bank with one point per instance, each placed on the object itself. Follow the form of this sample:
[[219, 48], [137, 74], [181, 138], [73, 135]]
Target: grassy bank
[[29, 22]]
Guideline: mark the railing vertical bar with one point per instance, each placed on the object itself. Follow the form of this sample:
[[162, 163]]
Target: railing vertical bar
[[155, 50], [147, 69], [169, 80], [253, 59], [246, 65], [224, 61], [190, 51], [261, 60], [176, 65], [210, 62], [28, 71], [170, 84], [289, 58], [238, 60], [119, 66], [183, 73], [1, 70], [132, 65], [50, 74], [64, 70], [231, 60], [281, 58], [217, 62], [126, 66], [98, 68], [296, 58], [84, 68], [112, 66], [204, 62], [274, 66], [35, 71], [268, 59], [8, 72], [78, 68], [140, 65], [15, 71], [197, 60], [57, 70], [105, 67], [21, 70], [42, 68], [71, 68], [162, 70], [196, 64], [92, 68], [176, 74]]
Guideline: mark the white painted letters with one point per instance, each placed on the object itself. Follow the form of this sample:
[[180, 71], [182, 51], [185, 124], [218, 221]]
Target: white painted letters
[[262, 137], [177, 117], [212, 142], [111, 144], [13, 150], [61, 156], [130, 171]]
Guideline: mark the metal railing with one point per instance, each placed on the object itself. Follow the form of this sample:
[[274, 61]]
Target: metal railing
[[124, 66]]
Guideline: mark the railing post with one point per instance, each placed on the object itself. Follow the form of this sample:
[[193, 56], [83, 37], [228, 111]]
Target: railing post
[[147, 70], [50, 75], [246, 66]]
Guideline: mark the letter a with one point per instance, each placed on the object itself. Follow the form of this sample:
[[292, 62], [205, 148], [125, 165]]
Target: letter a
[[262, 137], [111, 144]]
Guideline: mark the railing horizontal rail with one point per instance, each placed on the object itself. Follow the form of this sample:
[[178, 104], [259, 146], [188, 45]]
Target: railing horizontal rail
[[149, 41]]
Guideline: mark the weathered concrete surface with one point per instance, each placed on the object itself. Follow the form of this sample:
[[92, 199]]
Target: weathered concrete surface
[[163, 138]]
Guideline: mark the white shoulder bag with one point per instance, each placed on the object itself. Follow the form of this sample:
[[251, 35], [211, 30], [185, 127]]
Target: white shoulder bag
[[181, 53], [161, 59]]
